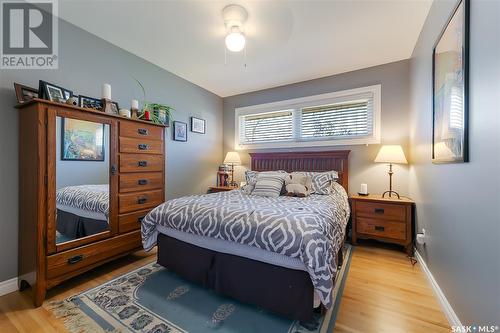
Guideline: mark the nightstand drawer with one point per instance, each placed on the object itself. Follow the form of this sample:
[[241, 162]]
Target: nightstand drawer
[[381, 210], [381, 228]]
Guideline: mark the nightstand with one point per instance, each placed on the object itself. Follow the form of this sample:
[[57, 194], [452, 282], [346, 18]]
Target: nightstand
[[215, 189], [385, 219]]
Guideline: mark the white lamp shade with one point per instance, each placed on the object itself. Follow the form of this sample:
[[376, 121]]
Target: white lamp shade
[[235, 40], [392, 154], [232, 157]]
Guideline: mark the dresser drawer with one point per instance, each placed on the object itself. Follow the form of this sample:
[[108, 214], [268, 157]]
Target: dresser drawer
[[140, 146], [141, 131], [381, 210], [72, 260], [131, 221], [132, 182], [139, 201], [381, 228], [140, 163]]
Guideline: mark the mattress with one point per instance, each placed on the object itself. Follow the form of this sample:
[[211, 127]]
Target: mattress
[[310, 229], [240, 250], [82, 212]]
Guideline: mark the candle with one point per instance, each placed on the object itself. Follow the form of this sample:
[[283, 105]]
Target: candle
[[135, 104], [106, 91], [363, 189], [125, 113]]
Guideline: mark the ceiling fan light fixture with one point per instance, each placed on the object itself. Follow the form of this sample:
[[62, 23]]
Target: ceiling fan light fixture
[[234, 18], [235, 40]]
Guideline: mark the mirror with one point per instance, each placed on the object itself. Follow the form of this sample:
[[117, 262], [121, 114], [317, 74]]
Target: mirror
[[82, 179]]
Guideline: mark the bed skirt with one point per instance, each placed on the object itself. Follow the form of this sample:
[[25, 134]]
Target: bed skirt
[[281, 290], [74, 226]]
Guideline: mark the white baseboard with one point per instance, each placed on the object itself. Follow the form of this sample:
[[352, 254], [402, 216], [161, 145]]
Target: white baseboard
[[445, 305], [8, 286]]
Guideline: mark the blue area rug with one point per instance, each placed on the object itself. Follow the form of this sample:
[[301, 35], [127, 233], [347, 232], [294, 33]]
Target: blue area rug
[[152, 299]]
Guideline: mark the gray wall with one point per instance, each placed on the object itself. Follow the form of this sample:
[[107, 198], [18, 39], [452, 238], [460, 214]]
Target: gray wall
[[458, 204], [71, 173], [395, 93], [85, 63]]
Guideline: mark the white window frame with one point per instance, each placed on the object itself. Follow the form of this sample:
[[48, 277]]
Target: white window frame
[[297, 104]]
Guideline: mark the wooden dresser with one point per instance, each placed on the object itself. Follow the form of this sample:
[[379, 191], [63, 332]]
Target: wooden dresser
[[134, 164], [385, 219]]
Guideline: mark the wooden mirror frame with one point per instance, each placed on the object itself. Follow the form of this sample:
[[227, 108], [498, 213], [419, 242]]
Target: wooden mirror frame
[[52, 114]]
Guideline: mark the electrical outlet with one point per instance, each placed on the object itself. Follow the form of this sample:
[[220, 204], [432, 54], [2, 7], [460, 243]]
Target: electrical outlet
[[421, 237]]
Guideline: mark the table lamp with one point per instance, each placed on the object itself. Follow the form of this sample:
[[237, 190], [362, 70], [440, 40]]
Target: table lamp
[[232, 158], [392, 154]]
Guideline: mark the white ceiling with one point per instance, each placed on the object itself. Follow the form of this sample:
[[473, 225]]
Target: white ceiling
[[287, 41]]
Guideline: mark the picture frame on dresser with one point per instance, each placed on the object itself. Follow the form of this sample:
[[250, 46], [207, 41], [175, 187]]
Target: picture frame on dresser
[[24, 93], [450, 89]]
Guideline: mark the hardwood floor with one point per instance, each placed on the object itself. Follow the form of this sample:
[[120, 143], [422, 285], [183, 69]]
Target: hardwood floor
[[383, 293]]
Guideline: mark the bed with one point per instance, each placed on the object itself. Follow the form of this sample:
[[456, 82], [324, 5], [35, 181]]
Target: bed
[[277, 253], [82, 210]]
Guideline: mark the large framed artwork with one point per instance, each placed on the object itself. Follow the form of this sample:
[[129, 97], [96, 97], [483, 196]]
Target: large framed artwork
[[450, 89], [81, 140]]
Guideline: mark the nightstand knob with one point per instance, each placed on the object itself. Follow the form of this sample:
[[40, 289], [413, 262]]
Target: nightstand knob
[[379, 228], [379, 210]]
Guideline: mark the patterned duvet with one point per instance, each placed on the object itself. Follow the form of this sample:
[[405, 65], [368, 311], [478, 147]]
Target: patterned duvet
[[93, 198], [311, 229]]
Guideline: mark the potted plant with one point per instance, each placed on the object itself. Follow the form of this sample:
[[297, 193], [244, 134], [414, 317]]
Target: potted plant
[[156, 112]]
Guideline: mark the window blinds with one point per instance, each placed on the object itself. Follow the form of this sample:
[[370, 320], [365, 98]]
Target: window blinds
[[336, 121], [346, 119], [267, 127]]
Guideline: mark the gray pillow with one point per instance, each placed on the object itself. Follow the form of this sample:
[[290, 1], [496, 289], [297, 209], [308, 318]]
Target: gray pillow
[[321, 181], [269, 184], [250, 174]]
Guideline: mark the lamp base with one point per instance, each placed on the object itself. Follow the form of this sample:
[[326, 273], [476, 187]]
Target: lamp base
[[390, 192]]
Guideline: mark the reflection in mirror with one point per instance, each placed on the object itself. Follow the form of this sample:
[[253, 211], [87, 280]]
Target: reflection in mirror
[[82, 178]]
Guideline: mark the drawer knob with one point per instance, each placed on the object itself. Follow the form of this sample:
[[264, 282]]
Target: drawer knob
[[142, 200], [379, 228], [142, 182], [142, 146], [75, 259], [379, 210], [143, 163], [142, 131], [140, 219]]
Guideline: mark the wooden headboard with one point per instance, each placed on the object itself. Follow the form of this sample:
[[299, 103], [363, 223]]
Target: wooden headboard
[[305, 161]]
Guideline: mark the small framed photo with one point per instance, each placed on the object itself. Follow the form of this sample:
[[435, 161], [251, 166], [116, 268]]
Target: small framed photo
[[25, 93], [53, 92], [90, 103], [115, 109], [180, 131], [197, 125]]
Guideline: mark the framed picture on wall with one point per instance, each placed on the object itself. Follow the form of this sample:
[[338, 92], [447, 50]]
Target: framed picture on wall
[[81, 140], [197, 125], [180, 131], [450, 89]]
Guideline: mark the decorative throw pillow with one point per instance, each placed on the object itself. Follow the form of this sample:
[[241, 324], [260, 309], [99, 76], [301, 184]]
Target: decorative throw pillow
[[250, 174], [248, 187], [321, 181], [269, 184]]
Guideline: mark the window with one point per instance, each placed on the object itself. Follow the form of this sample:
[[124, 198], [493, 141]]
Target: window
[[341, 118]]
